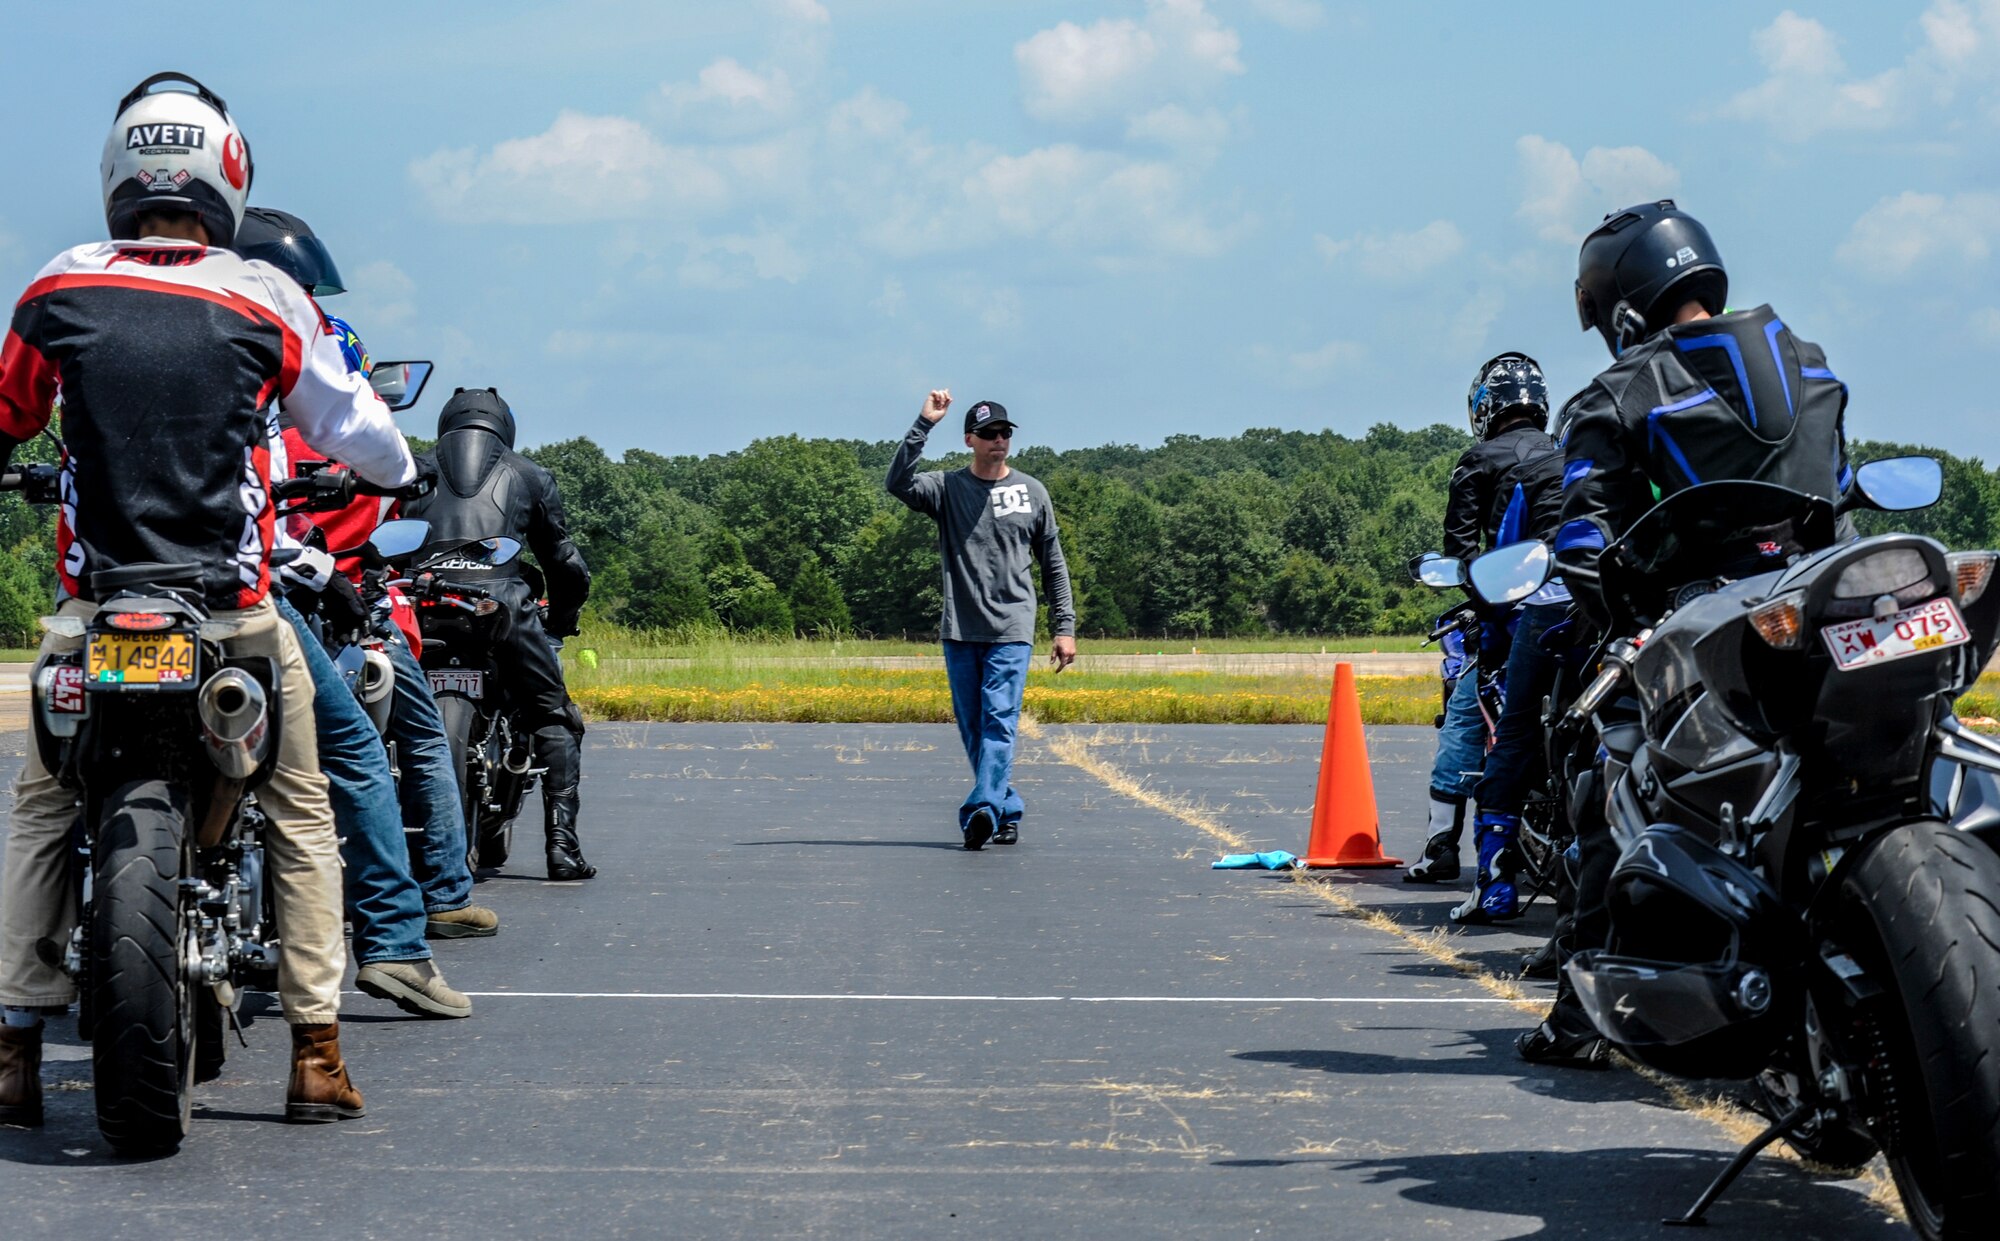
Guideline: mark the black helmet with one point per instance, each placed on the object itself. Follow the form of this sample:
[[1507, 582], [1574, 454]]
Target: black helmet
[[477, 409], [1508, 382], [1702, 976], [287, 243], [1635, 260]]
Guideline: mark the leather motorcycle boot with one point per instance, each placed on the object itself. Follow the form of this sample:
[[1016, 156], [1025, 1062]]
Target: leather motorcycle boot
[[1493, 897], [558, 750], [319, 1090], [1440, 861], [1544, 961], [21, 1076], [1565, 1039]]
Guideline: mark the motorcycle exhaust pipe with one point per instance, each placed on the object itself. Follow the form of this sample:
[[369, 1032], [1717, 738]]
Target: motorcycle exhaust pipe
[[378, 679], [235, 722]]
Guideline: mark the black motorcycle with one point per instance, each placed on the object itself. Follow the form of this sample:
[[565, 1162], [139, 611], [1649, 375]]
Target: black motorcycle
[[1793, 905], [166, 738], [462, 625]]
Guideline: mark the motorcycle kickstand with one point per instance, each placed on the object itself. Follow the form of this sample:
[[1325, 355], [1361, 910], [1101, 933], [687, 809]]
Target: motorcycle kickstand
[[1782, 1127]]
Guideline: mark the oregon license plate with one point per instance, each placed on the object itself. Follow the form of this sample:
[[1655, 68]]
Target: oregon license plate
[[452, 681], [140, 659], [1926, 627]]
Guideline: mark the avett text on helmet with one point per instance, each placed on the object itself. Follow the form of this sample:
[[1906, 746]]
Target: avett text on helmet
[[165, 137]]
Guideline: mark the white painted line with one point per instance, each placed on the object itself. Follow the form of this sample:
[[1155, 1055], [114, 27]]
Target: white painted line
[[985, 999]]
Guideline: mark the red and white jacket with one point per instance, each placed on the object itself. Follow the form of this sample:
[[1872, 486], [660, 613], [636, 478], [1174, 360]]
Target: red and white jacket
[[168, 357]]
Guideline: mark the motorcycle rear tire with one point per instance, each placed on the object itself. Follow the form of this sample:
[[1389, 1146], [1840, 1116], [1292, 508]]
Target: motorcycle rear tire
[[462, 726], [1925, 895], [143, 1041]]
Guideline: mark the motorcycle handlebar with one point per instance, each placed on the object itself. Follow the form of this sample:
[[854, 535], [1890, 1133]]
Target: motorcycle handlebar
[[38, 484], [1617, 666], [336, 488]]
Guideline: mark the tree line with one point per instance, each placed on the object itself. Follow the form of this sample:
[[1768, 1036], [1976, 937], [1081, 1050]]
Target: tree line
[[1265, 532]]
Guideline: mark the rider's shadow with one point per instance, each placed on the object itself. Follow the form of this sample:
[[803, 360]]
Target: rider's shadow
[[1473, 1053], [1621, 1191]]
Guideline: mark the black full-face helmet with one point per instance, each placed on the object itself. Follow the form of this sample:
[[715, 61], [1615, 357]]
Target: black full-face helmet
[[1702, 974], [287, 243], [1509, 383], [477, 409], [1640, 266]]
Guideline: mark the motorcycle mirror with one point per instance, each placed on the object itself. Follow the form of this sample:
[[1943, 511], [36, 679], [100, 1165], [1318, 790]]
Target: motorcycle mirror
[[1439, 571], [1509, 574], [1416, 564], [399, 384], [399, 538], [1897, 484], [501, 550]]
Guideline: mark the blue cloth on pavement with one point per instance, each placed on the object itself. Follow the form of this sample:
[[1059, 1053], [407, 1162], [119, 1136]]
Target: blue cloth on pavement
[[1276, 859]]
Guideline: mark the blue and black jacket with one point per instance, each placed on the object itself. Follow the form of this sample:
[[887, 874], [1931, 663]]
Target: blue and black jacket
[[1731, 398], [1505, 489]]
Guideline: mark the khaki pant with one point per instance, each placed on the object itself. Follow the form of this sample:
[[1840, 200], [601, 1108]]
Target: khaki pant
[[304, 855]]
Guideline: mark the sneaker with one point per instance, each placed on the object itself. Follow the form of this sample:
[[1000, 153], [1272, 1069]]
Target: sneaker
[[1009, 833], [472, 922], [978, 830], [416, 987], [1545, 1044]]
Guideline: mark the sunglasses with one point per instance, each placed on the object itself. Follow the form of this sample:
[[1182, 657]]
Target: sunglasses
[[995, 433]]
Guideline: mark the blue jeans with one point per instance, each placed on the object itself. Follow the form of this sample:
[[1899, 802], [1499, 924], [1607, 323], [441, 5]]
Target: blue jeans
[[1461, 745], [1516, 759], [430, 784], [986, 683], [383, 901]]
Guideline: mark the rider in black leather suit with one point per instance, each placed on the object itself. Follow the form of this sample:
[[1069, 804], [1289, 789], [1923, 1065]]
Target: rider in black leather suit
[[1698, 394], [486, 489]]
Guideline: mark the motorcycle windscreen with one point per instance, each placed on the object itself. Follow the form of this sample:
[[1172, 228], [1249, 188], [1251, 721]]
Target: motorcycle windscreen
[[1639, 1004]]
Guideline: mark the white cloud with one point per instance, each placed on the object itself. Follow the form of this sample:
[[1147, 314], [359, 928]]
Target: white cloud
[[1474, 321], [1914, 234], [1809, 89], [1334, 355], [1396, 257], [727, 83], [380, 297], [1119, 67], [1176, 128], [1566, 196], [581, 168], [1291, 14], [734, 260]]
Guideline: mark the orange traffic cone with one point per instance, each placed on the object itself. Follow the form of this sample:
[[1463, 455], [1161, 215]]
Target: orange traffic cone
[[1345, 831]]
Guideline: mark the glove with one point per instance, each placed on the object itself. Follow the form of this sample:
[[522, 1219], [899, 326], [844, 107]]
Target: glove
[[425, 483], [341, 608]]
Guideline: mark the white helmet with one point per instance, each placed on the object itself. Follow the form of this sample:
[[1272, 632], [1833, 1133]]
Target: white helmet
[[175, 150]]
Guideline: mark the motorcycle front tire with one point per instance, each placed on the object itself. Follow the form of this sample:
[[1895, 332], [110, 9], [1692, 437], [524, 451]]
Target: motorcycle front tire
[[1924, 894], [143, 1037]]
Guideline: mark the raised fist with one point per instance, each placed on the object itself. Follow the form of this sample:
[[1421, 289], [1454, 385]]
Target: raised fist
[[936, 403]]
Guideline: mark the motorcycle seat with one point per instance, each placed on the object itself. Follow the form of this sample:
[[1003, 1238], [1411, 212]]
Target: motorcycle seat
[[144, 577]]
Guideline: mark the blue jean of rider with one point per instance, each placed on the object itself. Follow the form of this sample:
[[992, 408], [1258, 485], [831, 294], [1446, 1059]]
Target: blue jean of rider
[[429, 789], [987, 679], [383, 900], [1514, 762]]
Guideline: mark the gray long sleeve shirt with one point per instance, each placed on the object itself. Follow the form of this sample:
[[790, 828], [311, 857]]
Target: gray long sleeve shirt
[[988, 535]]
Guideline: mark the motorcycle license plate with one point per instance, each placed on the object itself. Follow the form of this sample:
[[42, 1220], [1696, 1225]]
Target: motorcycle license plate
[[140, 659], [470, 684], [1912, 631]]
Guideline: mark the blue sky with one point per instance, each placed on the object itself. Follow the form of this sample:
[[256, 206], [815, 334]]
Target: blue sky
[[682, 226]]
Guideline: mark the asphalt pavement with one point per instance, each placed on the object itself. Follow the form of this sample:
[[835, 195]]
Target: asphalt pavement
[[791, 1006]]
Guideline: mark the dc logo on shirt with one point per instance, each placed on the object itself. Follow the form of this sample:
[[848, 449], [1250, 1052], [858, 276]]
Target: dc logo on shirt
[[1013, 499]]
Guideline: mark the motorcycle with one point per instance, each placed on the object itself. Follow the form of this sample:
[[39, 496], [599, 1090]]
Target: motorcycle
[[1793, 904], [462, 623], [166, 738], [1544, 830]]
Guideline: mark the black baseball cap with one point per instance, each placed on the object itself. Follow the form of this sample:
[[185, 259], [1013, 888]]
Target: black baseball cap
[[986, 414]]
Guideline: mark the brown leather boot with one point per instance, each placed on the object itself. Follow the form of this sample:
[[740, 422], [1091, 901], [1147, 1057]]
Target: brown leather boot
[[320, 1090], [21, 1076]]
